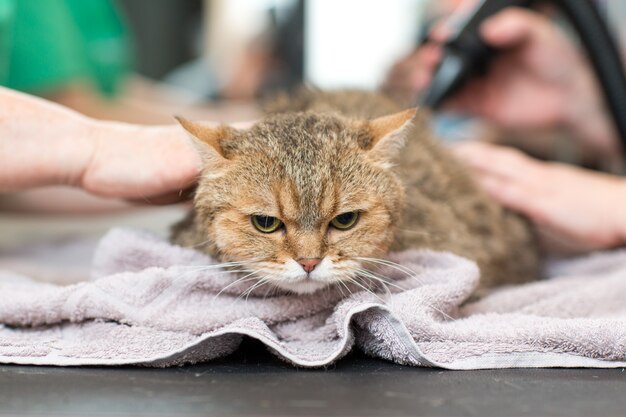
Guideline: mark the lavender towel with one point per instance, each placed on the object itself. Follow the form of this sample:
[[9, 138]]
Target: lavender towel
[[151, 303]]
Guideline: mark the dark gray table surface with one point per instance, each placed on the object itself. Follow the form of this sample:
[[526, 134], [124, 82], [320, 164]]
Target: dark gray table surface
[[254, 383]]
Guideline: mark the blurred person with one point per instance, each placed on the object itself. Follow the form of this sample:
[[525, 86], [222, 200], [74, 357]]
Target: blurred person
[[539, 79], [76, 53]]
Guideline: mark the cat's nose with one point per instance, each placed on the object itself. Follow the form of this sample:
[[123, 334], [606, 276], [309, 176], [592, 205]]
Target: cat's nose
[[309, 264]]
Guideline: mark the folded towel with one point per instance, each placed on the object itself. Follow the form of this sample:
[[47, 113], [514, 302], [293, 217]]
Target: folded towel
[[154, 304]]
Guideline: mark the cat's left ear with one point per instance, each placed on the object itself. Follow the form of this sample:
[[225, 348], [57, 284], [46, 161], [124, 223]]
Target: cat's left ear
[[207, 141], [389, 134]]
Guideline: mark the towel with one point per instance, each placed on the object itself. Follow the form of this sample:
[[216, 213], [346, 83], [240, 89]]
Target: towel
[[151, 303]]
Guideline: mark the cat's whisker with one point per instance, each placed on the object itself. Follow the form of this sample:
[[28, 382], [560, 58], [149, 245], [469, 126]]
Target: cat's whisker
[[270, 288], [225, 267], [343, 295], [369, 274], [382, 281], [244, 262], [349, 277], [377, 283], [380, 278], [417, 232], [216, 271], [358, 284], [410, 274], [237, 281], [215, 266], [259, 281], [336, 283], [263, 281], [342, 282], [195, 270], [443, 313], [389, 263], [202, 243], [186, 274], [344, 275], [248, 277]]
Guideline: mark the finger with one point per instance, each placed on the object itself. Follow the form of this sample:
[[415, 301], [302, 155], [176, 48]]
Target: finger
[[500, 161], [173, 197], [507, 175], [423, 66], [519, 195], [556, 242], [471, 152], [507, 193], [513, 26], [445, 27], [482, 156], [516, 196], [430, 54], [441, 31]]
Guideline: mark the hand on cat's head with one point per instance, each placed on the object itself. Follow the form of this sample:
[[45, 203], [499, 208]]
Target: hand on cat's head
[[143, 164]]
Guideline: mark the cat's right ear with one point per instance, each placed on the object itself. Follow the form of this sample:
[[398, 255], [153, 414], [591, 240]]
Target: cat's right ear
[[389, 134], [207, 141]]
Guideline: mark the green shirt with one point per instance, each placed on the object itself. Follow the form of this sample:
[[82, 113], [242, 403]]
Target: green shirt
[[46, 44]]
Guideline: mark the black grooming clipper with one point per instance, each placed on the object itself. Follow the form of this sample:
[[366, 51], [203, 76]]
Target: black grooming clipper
[[465, 54]]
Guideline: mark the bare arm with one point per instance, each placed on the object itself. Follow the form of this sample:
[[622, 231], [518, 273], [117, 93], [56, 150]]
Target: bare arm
[[45, 144], [40, 143]]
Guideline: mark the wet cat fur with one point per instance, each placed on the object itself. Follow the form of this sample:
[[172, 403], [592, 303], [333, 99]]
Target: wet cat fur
[[314, 150]]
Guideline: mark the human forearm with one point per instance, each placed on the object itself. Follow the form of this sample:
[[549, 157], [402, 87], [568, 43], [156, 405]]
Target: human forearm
[[41, 143]]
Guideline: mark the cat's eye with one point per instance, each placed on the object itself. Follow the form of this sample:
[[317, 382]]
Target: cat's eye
[[266, 224], [345, 220]]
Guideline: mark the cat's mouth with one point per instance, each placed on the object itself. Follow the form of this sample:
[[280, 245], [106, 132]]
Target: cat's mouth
[[292, 277], [347, 274]]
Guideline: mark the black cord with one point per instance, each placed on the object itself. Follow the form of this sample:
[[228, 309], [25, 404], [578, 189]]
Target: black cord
[[604, 55]]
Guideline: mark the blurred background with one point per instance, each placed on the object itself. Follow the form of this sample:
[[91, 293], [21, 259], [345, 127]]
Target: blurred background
[[144, 60]]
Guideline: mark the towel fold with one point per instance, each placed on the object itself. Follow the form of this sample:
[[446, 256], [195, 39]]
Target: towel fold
[[154, 304]]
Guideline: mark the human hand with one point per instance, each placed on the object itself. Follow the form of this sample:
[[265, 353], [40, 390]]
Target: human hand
[[149, 164], [539, 79], [44, 144], [529, 82], [412, 73], [575, 210]]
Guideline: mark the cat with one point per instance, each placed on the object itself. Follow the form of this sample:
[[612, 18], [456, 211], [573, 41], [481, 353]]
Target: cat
[[328, 183]]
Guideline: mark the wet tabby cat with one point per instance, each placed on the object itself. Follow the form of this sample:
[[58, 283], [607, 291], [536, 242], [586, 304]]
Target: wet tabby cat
[[325, 180]]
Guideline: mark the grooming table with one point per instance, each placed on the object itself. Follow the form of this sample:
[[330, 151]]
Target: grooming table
[[254, 383]]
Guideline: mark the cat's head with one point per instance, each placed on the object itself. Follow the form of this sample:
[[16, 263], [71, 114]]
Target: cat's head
[[300, 198]]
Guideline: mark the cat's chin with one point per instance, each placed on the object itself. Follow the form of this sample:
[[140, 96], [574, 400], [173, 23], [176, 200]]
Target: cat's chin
[[306, 286]]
